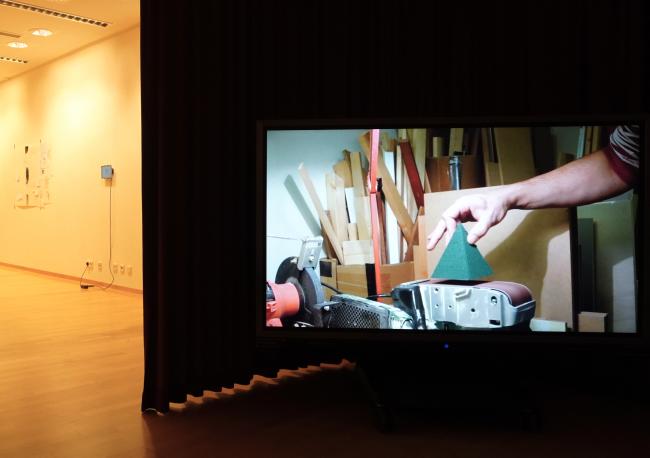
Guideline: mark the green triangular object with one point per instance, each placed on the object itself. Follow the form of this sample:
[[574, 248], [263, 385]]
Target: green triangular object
[[461, 261]]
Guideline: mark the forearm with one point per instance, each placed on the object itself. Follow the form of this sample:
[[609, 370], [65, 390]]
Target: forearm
[[580, 182]]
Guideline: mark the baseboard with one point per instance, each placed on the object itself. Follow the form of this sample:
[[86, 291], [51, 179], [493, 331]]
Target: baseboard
[[70, 277]]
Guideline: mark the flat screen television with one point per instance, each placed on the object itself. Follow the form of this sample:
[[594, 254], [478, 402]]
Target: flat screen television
[[572, 275]]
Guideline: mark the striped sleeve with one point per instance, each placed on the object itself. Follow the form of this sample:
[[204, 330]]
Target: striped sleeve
[[623, 152]]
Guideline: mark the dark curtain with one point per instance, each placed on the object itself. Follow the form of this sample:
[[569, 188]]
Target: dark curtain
[[211, 69]]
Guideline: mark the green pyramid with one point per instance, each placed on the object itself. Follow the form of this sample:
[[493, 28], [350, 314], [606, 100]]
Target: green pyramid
[[461, 261]]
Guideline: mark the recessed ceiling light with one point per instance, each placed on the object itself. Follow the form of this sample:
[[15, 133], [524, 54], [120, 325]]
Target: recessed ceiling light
[[55, 13], [41, 32], [17, 44]]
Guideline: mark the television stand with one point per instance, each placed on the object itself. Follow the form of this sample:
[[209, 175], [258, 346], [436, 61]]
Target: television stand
[[443, 395]]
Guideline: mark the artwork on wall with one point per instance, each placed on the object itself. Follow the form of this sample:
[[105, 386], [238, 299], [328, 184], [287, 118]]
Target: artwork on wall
[[32, 175]]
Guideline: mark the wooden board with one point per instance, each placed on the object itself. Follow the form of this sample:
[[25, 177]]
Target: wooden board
[[420, 262], [595, 142], [514, 149], [418, 142], [412, 172], [455, 141], [438, 146], [413, 237], [357, 252], [592, 322], [531, 247], [362, 210], [352, 279], [490, 164], [338, 218], [344, 170], [358, 181], [352, 231], [341, 208], [361, 205], [327, 226]]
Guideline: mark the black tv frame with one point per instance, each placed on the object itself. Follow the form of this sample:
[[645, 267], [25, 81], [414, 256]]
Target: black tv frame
[[355, 341]]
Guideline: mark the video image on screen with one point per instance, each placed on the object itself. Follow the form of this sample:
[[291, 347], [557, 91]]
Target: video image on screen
[[468, 228]]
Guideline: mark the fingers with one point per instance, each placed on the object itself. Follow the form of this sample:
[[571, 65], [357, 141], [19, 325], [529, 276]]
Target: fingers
[[450, 224], [478, 231], [436, 235], [446, 226]]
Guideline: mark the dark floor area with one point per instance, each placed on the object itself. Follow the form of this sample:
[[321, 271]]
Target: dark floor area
[[325, 411]]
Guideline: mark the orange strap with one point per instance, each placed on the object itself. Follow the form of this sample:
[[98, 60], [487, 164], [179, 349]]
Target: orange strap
[[374, 217]]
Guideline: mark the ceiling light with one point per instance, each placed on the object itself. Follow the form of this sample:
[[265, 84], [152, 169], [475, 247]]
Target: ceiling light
[[55, 13], [41, 32], [17, 44], [12, 59]]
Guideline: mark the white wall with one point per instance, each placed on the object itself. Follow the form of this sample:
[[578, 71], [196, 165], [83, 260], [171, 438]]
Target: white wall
[[86, 106]]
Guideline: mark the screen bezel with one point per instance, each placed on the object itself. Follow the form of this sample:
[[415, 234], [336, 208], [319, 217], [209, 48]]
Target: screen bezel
[[351, 338]]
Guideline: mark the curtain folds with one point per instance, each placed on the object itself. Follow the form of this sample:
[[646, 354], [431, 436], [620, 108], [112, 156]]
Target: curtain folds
[[210, 70]]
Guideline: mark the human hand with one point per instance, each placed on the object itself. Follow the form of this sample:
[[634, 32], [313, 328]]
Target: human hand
[[486, 209]]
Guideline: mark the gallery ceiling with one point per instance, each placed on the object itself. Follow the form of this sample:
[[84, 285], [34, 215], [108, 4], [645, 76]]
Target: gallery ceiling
[[73, 23]]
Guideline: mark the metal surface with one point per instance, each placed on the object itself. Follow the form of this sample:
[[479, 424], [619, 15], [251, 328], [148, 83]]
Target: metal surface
[[454, 172], [356, 312], [310, 252], [474, 305]]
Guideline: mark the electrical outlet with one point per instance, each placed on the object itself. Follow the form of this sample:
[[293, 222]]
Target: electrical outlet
[[89, 264], [100, 266], [115, 267], [129, 270], [121, 268]]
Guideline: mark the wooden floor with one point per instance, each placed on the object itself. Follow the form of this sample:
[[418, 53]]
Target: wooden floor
[[71, 366]]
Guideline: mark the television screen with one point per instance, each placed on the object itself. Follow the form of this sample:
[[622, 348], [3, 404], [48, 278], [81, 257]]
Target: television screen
[[474, 227]]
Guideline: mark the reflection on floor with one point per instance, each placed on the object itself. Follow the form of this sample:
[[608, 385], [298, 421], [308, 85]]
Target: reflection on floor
[[71, 378]]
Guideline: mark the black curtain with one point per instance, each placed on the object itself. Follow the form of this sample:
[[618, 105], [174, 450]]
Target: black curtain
[[211, 69]]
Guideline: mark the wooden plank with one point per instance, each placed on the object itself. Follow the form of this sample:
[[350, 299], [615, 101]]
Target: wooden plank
[[352, 231], [390, 191], [438, 146], [418, 142], [358, 181], [595, 141], [490, 164], [362, 209], [531, 247], [327, 226], [357, 252], [455, 141], [343, 169], [341, 208], [340, 226], [361, 206], [592, 322], [588, 139], [351, 279], [438, 173], [396, 274], [413, 237], [327, 245], [381, 219], [514, 149], [420, 262], [412, 172]]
